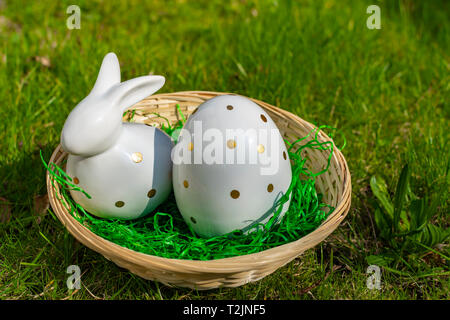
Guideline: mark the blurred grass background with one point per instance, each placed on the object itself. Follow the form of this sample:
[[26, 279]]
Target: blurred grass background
[[386, 90]]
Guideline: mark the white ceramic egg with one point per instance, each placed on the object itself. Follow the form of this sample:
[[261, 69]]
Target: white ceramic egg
[[230, 167], [124, 167]]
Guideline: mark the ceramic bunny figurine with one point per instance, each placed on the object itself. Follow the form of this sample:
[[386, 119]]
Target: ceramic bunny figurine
[[124, 167]]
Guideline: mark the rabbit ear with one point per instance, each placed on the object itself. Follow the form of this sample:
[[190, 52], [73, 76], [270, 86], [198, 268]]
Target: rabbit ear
[[135, 90], [109, 74]]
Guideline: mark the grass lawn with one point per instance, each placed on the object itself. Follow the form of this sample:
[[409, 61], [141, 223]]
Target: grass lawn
[[387, 91]]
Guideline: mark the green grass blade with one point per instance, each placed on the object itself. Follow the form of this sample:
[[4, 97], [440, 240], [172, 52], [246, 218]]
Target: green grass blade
[[399, 197], [380, 191]]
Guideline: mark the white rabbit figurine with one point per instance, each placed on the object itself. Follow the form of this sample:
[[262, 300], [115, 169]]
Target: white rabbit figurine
[[124, 167]]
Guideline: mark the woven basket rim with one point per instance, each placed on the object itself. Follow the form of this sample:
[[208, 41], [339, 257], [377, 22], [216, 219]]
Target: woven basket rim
[[214, 265]]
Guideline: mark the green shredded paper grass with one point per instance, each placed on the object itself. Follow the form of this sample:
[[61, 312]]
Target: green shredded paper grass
[[164, 233]]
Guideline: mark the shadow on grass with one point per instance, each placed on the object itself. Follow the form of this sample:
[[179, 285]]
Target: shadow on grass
[[24, 178]]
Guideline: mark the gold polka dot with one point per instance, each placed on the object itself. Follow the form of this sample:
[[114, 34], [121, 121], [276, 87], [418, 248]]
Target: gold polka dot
[[263, 118], [261, 148], [235, 194], [270, 188], [193, 220], [190, 146], [231, 144], [120, 204], [151, 193], [230, 107], [185, 184], [76, 180], [137, 157], [284, 155]]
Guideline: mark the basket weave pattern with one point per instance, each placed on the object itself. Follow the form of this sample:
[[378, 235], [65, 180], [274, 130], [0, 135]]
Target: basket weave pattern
[[334, 184]]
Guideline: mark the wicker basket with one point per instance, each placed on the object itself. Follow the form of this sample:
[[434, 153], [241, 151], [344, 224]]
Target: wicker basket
[[228, 272]]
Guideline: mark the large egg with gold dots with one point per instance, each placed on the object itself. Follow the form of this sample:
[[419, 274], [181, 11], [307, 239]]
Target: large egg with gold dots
[[231, 167]]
